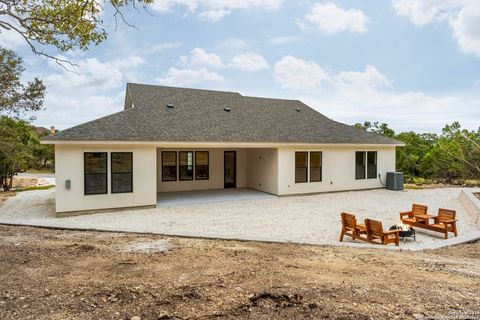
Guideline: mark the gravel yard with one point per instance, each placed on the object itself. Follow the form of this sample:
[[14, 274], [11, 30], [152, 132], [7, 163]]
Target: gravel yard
[[312, 219]]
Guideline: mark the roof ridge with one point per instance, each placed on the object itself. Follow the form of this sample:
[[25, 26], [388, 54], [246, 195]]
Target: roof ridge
[[269, 98], [183, 88], [210, 90]]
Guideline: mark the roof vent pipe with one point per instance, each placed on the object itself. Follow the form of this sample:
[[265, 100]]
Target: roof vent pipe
[[227, 109], [297, 109], [170, 105]]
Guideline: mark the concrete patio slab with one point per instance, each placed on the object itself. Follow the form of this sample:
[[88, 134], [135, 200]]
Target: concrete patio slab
[[312, 219], [183, 198]]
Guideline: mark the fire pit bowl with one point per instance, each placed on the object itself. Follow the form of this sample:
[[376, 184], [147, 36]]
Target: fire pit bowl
[[405, 231]]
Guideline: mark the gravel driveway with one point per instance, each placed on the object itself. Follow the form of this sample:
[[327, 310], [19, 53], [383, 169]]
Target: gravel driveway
[[312, 219]]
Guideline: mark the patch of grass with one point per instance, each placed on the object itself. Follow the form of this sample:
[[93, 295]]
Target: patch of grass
[[472, 183], [419, 180], [35, 188], [412, 187], [41, 170]]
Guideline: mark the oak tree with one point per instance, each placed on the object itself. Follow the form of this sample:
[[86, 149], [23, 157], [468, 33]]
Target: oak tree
[[18, 98], [64, 25]]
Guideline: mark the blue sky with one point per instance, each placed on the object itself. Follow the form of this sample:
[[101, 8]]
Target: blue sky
[[414, 64]]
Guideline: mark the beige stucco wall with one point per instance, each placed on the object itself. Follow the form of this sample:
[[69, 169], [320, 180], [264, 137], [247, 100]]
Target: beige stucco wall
[[262, 170], [69, 165], [216, 171], [270, 170], [338, 170]]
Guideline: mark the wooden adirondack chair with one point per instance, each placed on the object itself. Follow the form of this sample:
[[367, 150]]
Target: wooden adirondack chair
[[351, 228], [445, 222], [409, 216], [375, 233]]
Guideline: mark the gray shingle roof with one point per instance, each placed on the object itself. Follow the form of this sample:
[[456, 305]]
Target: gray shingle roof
[[199, 115]]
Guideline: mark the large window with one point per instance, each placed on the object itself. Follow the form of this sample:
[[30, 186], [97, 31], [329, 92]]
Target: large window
[[371, 164], [169, 165], [185, 168], [201, 165], [95, 170], [301, 166], [360, 165], [122, 168], [315, 166]]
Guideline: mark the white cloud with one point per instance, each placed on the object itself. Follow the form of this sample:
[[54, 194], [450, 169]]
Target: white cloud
[[301, 75], [196, 68], [330, 19], [127, 63], [284, 40], [411, 110], [214, 10], [370, 78], [162, 47], [214, 15], [249, 62], [64, 111], [11, 40], [421, 12], [298, 74], [355, 96], [181, 77], [200, 58], [92, 89], [167, 5], [93, 73], [463, 17], [466, 28]]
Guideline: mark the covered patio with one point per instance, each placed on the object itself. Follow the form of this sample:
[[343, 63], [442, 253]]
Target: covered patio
[[184, 198], [201, 174]]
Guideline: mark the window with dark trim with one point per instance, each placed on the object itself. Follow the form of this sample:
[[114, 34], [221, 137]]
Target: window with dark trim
[[360, 165], [121, 172], [371, 164], [185, 165], [301, 166], [95, 171], [169, 166], [201, 165], [315, 166]]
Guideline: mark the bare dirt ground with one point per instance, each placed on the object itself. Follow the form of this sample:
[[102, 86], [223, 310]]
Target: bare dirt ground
[[54, 274], [5, 195]]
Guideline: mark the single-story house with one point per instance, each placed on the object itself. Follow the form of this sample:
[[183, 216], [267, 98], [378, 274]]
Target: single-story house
[[177, 139]]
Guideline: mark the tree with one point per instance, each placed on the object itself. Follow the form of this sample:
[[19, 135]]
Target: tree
[[462, 147], [453, 155], [43, 153], [417, 146], [17, 98], [376, 127], [65, 25], [17, 143]]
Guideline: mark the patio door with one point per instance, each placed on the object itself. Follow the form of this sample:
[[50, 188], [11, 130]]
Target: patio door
[[230, 171]]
